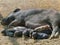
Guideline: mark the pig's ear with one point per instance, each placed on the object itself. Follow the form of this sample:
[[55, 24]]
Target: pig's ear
[[16, 10]]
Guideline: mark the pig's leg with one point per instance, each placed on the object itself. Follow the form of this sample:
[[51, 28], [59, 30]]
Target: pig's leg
[[15, 21]]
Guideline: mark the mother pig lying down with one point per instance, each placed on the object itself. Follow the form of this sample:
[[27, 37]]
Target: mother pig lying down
[[33, 18], [26, 32]]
